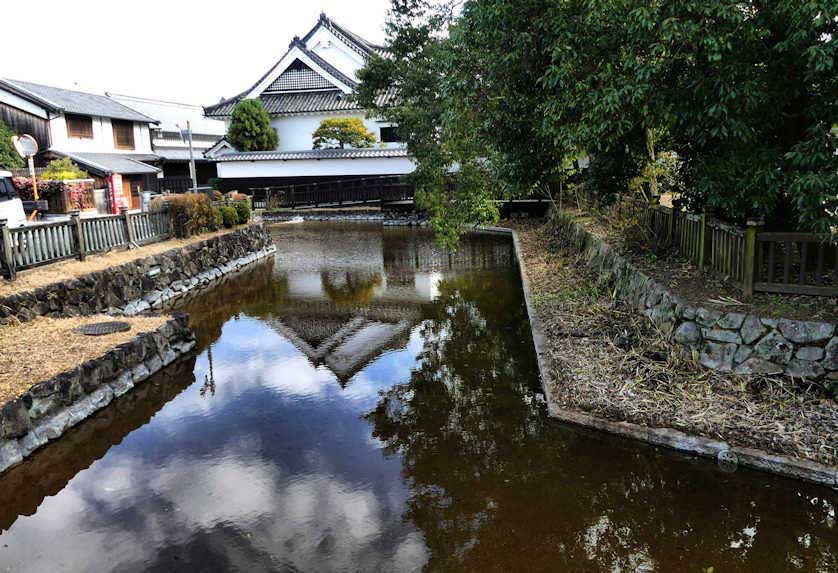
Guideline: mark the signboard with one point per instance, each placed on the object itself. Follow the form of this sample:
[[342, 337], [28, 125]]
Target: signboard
[[25, 145], [118, 199]]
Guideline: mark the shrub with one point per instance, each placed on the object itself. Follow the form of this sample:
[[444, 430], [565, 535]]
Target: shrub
[[243, 212], [229, 216], [9, 158], [217, 217], [213, 182], [338, 132], [191, 213], [61, 169]]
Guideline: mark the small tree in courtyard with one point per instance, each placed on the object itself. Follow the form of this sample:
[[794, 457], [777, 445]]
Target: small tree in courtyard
[[338, 132], [250, 127], [62, 169], [9, 158]]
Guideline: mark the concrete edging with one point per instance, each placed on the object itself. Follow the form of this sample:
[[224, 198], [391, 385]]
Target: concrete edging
[[786, 466]]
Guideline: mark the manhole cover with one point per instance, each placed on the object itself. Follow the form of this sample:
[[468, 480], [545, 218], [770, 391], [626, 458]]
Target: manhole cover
[[102, 328]]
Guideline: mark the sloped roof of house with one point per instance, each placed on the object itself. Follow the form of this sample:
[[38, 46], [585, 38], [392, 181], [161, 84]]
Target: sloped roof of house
[[301, 102], [288, 94], [107, 163], [171, 114], [362, 153], [72, 101]]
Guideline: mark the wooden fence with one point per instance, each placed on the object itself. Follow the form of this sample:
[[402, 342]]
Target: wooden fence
[[754, 260], [337, 192], [41, 244]]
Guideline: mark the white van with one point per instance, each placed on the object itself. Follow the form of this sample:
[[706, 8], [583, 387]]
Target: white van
[[11, 207]]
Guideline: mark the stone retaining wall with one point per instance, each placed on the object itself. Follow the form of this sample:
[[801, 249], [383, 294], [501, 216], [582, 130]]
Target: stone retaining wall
[[725, 341], [143, 284], [52, 407]]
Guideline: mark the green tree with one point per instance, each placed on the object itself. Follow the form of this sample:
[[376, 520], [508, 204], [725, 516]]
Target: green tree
[[510, 91], [62, 169], [338, 132], [250, 127], [9, 158]]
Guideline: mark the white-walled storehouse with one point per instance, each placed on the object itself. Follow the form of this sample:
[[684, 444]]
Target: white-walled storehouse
[[310, 83], [101, 135]]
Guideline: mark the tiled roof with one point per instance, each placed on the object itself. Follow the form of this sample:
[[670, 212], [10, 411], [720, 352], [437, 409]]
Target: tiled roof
[[352, 39], [179, 154], [171, 114], [71, 101], [107, 163], [366, 153], [301, 102]]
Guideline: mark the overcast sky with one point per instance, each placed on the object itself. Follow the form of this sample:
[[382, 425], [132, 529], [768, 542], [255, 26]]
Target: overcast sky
[[191, 51]]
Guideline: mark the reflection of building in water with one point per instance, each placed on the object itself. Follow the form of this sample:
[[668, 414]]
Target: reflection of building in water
[[343, 343], [355, 294]]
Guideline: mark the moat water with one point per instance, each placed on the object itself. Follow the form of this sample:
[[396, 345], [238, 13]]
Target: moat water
[[363, 402]]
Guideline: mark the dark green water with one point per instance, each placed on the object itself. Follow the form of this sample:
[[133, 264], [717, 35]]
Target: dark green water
[[363, 403]]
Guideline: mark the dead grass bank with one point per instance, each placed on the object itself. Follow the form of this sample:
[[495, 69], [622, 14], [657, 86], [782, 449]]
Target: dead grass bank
[[607, 360], [38, 350]]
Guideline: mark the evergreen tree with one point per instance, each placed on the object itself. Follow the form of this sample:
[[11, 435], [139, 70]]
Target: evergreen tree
[[250, 127]]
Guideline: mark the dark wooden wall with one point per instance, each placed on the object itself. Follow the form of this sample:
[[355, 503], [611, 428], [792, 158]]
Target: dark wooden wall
[[23, 122]]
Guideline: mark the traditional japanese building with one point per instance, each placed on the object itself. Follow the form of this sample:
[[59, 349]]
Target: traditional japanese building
[[314, 80]]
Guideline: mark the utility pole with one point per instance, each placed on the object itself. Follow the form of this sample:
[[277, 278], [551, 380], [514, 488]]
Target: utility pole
[[187, 137]]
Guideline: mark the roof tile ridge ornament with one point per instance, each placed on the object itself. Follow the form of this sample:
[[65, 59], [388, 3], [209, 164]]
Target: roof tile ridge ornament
[[296, 42]]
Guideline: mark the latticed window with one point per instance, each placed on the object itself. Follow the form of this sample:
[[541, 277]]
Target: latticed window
[[79, 126], [123, 134], [299, 77]]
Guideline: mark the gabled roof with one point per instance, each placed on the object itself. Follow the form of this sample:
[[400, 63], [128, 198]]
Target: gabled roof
[[303, 78], [71, 101], [350, 38]]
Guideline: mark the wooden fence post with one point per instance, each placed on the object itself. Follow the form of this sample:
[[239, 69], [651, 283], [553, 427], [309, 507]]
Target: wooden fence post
[[75, 219], [8, 255], [702, 238], [129, 229], [750, 270]]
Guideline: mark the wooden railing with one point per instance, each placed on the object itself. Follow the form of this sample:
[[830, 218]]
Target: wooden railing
[[36, 245], [754, 260], [337, 192]]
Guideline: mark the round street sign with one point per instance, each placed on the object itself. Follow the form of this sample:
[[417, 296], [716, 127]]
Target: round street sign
[[25, 145]]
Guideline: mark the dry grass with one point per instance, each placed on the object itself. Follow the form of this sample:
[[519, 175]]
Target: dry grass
[[48, 274], [36, 351], [607, 360]]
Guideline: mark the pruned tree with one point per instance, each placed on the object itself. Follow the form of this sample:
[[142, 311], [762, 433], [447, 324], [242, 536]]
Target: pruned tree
[[250, 127], [9, 158], [338, 132]]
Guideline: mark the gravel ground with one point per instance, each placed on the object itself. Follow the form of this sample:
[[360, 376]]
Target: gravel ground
[[607, 360]]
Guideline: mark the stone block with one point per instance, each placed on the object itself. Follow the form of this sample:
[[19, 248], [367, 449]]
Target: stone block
[[14, 418], [731, 321], [122, 384], [774, 348], [139, 373], [719, 335], [830, 360], [752, 329], [718, 356], [742, 353], [811, 353], [756, 365], [805, 332], [10, 454], [707, 316], [804, 369]]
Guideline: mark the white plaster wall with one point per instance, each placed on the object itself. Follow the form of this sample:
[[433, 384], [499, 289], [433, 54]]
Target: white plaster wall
[[102, 141], [316, 167], [295, 131]]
